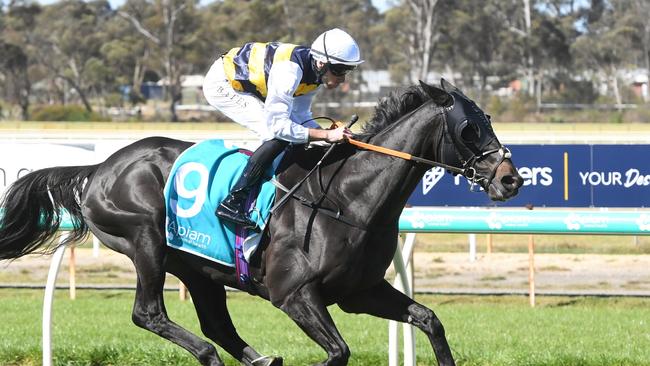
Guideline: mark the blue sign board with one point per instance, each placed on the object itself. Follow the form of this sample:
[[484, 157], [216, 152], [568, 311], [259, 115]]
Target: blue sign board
[[555, 176]]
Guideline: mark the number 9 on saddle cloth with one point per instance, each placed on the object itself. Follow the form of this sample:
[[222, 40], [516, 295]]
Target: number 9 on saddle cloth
[[199, 180]]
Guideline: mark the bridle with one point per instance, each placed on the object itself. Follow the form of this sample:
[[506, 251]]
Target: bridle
[[468, 169], [467, 166]]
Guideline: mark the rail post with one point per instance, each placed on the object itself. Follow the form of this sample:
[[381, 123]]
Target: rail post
[[48, 301], [402, 261]]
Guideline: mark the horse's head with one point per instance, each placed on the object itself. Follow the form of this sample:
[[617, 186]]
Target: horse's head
[[469, 144]]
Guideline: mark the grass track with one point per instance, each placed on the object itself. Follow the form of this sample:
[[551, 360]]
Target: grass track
[[96, 329]]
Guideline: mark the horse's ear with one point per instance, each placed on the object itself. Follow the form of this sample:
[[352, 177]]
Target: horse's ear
[[439, 96], [449, 87]]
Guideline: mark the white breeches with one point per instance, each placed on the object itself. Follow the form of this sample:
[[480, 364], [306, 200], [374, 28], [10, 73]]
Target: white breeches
[[243, 108]]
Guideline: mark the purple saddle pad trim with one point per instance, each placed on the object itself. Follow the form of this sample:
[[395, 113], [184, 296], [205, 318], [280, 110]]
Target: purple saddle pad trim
[[241, 233]]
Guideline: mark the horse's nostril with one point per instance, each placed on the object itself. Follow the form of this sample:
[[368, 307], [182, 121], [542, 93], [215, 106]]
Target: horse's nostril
[[507, 180], [512, 181]]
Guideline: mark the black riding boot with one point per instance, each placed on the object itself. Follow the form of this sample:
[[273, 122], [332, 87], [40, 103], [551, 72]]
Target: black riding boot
[[232, 207]]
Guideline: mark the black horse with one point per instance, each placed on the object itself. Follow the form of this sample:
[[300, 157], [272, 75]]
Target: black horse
[[310, 258]]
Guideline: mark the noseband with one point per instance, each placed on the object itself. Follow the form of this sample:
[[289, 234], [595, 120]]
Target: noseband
[[469, 171]]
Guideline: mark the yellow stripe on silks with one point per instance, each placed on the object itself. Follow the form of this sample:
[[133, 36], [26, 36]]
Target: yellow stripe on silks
[[283, 53], [229, 68], [305, 88], [256, 67]]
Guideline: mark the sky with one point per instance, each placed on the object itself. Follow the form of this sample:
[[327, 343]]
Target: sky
[[382, 5]]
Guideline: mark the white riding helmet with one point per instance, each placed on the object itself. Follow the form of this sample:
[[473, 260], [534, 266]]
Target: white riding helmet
[[335, 46]]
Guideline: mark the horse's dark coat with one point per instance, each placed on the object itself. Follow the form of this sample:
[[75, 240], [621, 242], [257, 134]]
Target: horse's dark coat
[[310, 259]]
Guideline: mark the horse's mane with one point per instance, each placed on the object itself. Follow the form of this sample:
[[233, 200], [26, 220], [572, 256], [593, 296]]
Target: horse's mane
[[390, 108]]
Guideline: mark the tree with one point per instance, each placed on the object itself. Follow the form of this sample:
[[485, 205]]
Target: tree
[[414, 26], [13, 64], [473, 37], [169, 28], [636, 15], [127, 53], [422, 36], [17, 61], [604, 45], [67, 42]]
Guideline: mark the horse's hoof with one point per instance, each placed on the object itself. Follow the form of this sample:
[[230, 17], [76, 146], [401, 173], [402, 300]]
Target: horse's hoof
[[268, 361]]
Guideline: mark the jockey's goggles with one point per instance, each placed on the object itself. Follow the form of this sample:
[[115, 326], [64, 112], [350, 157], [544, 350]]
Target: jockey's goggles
[[340, 69]]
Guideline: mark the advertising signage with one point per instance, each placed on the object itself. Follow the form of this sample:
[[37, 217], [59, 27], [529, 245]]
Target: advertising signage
[[555, 176]]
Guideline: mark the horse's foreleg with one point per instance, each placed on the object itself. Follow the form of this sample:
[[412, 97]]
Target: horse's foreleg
[[307, 309], [149, 309], [386, 302]]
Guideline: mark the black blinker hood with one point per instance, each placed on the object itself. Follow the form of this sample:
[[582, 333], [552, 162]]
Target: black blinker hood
[[464, 113]]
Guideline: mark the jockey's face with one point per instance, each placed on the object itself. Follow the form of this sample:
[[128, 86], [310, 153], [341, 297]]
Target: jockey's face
[[330, 80]]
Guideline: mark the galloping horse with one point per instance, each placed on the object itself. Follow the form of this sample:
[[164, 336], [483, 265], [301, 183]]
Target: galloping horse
[[310, 258]]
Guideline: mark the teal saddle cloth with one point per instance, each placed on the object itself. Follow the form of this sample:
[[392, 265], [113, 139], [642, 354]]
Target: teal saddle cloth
[[199, 180]]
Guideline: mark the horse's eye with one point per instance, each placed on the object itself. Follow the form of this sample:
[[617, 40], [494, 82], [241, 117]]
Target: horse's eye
[[470, 133]]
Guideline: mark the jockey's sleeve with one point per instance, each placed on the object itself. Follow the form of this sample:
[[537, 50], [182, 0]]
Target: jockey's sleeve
[[302, 110], [284, 78]]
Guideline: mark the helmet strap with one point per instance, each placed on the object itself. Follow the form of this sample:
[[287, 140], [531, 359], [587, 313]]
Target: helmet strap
[[320, 72]]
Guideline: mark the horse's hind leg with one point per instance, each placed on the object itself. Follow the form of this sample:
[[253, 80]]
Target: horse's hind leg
[[386, 302], [149, 309], [210, 302]]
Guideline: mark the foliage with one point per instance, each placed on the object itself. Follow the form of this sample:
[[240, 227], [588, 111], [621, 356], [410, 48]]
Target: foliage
[[75, 113], [565, 90]]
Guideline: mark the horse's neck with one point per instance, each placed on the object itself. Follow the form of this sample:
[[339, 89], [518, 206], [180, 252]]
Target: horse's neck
[[389, 181], [413, 134]]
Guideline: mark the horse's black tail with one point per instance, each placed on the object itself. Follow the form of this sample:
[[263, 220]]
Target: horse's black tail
[[33, 210]]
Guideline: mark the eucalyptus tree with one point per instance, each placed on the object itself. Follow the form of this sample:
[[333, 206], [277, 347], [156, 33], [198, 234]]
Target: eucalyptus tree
[[13, 66], [169, 27], [473, 38], [67, 41], [605, 44], [16, 59], [643, 7], [536, 39], [411, 31], [231, 23], [127, 53], [635, 14]]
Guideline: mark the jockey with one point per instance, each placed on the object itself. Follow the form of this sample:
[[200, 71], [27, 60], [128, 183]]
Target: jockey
[[268, 88]]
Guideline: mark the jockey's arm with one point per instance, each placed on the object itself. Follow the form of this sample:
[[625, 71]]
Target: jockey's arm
[[284, 79]]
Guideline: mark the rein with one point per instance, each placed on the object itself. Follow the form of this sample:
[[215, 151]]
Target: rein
[[407, 156], [468, 170]]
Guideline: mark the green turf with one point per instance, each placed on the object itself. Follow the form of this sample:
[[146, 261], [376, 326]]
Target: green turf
[[96, 329]]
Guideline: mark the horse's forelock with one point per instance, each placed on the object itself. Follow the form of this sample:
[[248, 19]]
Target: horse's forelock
[[395, 105]]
